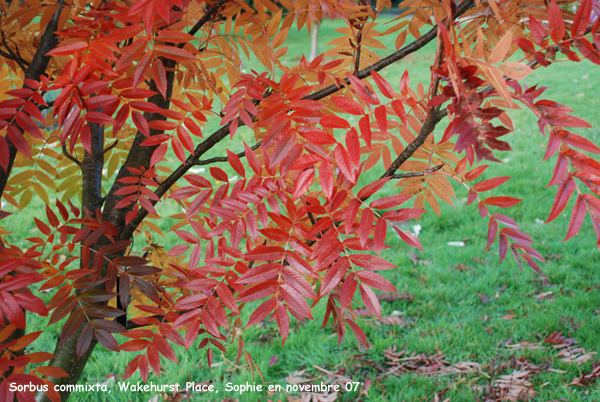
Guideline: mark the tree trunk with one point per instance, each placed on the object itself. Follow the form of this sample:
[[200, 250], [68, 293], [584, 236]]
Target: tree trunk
[[91, 167]]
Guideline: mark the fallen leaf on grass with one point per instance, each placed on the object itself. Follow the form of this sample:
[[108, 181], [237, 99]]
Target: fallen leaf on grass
[[526, 345], [545, 296], [586, 380], [514, 387], [424, 364]]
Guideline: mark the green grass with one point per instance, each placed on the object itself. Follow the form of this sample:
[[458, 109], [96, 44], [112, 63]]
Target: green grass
[[447, 314]]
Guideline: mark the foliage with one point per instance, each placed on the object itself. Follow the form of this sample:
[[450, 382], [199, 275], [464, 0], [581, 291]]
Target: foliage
[[136, 87]]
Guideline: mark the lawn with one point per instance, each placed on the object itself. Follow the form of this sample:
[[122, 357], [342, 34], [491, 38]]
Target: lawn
[[462, 324]]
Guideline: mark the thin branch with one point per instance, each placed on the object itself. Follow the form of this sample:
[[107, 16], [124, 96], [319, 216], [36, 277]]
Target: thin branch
[[205, 18], [69, 156], [48, 105], [224, 158], [12, 56], [433, 118], [114, 144], [417, 174]]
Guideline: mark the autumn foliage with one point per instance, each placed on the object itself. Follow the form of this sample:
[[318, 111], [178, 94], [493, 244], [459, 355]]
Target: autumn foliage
[[136, 86]]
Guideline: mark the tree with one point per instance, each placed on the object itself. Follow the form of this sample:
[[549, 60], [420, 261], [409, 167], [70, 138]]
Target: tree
[[136, 86]]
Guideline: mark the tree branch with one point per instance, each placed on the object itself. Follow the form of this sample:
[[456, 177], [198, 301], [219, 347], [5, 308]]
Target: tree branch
[[12, 56], [108, 148], [417, 174], [433, 118], [224, 158], [69, 156]]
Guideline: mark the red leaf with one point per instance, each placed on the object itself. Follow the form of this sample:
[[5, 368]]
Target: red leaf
[[365, 129], [295, 302], [326, 178], [565, 190], [363, 91], [121, 34], [556, 23], [18, 140], [376, 281], [379, 234], [85, 339], [265, 253], [490, 184], [236, 163], [347, 291], [370, 300], [518, 236], [350, 216], [252, 159], [409, 238], [383, 85], [164, 348], [219, 174], [262, 312], [559, 170], [389, 202], [381, 117], [366, 225], [158, 154], [358, 332], [343, 160], [334, 276], [12, 310], [303, 182], [97, 117], [174, 53], [334, 122], [577, 217], [70, 49], [142, 68], [227, 298], [503, 246], [492, 231], [372, 188], [283, 323], [160, 77], [131, 52], [348, 105], [538, 32], [475, 173], [319, 137], [578, 141], [404, 214], [28, 125], [63, 309], [582, 18], [353, 146], [502, 202]]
